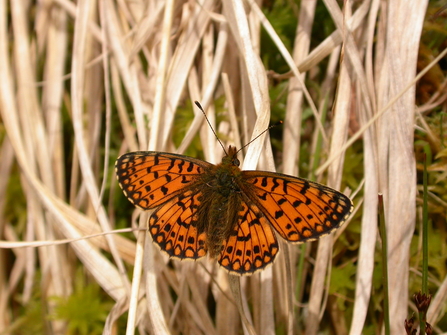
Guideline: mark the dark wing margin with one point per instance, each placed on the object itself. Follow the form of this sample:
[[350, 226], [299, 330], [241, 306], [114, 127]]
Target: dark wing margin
[[150, 178], [300, 210]]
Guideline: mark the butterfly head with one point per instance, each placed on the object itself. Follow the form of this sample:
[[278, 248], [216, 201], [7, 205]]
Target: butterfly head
[[230, 157]]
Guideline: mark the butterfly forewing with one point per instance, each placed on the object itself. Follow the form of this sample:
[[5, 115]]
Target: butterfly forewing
[[251, 246], [298, 209], [151, 178]]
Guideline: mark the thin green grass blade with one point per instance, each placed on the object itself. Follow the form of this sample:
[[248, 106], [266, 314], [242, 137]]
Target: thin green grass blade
[[382, 229]]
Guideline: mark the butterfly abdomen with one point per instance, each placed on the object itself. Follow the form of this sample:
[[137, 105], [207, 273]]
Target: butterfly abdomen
[[220, 220], [221, 203]]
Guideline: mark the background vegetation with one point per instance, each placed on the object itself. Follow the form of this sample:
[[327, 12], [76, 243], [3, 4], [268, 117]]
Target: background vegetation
[[360, 86]]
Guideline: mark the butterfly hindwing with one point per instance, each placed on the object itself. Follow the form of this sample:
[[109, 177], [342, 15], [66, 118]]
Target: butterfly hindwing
[[251, 246], [300, 210], [150, 178], [173, 227]]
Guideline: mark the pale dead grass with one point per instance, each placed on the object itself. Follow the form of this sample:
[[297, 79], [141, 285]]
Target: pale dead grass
[[142, 62]]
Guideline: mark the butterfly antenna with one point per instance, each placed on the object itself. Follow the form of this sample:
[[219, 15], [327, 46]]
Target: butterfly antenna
[[209, 123], [273, 125]]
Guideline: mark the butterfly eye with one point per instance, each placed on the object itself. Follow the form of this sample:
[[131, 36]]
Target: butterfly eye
[[236, 162]]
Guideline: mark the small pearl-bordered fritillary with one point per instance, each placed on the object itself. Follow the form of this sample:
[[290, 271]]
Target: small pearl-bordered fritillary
[[219, 209]]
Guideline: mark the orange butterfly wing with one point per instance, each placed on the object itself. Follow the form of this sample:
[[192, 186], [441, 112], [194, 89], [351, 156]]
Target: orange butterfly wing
[[150, 178], [300, 210], [251, 246], [167, 181], [173, 227]]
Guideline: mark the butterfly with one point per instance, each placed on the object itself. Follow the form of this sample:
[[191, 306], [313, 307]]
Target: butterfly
[[232, 215]]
